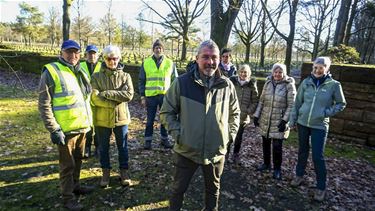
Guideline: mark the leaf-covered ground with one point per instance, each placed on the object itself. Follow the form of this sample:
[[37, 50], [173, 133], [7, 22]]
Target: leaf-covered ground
[[29, 169]]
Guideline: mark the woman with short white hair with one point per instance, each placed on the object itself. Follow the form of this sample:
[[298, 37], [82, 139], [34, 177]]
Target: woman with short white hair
[[272, 116], [247, 94], [112, 90], [319, 97]]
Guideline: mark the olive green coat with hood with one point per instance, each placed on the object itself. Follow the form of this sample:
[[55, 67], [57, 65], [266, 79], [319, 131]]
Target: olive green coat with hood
[[247, 95], [112, 90], [202, 117]]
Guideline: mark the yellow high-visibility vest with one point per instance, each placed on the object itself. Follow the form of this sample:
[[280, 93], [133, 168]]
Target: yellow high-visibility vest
[[158, 81], [86, 68], [70, 108]]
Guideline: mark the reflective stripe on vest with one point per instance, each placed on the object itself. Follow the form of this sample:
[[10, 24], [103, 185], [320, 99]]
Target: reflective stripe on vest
[[158, 81], [86, 68], [69, 107]]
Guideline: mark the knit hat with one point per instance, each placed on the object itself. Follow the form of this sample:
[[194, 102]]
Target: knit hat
[[281, 66], [157, 43], [323, 60]]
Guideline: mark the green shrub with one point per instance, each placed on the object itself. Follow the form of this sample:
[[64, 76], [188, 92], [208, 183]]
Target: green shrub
[[343, 54]]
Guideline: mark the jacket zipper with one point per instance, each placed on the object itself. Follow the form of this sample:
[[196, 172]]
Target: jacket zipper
[[313, 102], [269, 120]]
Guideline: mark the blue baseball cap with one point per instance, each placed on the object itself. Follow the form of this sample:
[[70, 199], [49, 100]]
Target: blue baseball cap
[[67, 44], [92, 48]]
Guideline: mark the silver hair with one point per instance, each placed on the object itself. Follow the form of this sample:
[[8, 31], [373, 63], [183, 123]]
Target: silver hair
[[281, 66], [323, 60], [246, 68], [111, 51], [208, 44]]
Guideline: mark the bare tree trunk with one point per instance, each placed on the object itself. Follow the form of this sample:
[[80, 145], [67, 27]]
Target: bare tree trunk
[[222, 22], [184, 47], [341, 22], [263, 39], [247, 55], [350, 23], [66, 19]]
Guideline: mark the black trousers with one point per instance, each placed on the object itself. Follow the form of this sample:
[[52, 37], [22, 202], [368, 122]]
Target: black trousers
[[237, 141], [277, 152]]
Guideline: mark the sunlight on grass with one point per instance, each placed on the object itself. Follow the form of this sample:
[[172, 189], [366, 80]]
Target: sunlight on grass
[[29, 165], [36, 179], [159, 205]]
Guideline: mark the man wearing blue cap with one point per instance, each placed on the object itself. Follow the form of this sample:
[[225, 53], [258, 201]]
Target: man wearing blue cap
[[91, 66], [64, 106]]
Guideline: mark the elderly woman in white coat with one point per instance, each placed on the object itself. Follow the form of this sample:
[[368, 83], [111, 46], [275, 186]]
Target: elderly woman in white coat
[[272, 116]]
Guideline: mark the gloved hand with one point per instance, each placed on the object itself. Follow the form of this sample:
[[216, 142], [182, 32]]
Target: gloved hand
[[282, 126], [256, 121], [58, 137]]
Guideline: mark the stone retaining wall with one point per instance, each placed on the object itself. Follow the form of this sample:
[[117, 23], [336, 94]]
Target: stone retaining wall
[[357, 122]]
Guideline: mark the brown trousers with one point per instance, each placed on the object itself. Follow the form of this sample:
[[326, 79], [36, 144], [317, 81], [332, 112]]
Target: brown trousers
[[70, 161], [185, 169]]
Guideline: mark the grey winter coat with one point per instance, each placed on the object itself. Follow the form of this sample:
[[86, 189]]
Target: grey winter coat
[[275, 104]]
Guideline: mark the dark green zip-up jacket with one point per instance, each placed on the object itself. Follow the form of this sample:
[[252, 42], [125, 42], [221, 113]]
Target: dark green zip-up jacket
[[202, 120], [314, 105]]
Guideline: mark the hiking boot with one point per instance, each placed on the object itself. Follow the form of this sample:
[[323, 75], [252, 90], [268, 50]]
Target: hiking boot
[[124, 177], [104, 182], [73, 205], [166, 143], [297, 181], [319, 195], [147, 145], [82, 190], [277, 174], [264, 167]]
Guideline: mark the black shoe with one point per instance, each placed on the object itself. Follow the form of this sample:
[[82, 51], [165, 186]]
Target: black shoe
[[147, 145], [277, 174], [166, 144], [73, 205], [264, 167], [83, 190]]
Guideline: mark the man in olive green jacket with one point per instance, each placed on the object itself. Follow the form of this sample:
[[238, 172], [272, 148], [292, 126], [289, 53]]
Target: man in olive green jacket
[[202, 113]]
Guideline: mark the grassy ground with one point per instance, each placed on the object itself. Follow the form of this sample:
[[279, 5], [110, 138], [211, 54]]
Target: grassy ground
[[29, 170]]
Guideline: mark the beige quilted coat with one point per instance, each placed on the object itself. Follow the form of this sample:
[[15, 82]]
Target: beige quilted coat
[[275, 103]]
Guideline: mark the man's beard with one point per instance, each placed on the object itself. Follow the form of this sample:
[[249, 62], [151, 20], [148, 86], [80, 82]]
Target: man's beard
[[209, 70]]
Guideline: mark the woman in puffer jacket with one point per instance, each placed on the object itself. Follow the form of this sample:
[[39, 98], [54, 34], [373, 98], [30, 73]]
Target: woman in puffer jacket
[[272, 116], [319, 97], [247, 93]]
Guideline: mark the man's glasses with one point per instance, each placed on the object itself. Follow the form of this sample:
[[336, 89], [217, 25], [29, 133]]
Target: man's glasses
[[111, 58]]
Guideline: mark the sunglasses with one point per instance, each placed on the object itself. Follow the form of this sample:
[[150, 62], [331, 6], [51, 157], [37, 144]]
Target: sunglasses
[[111, 58]]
